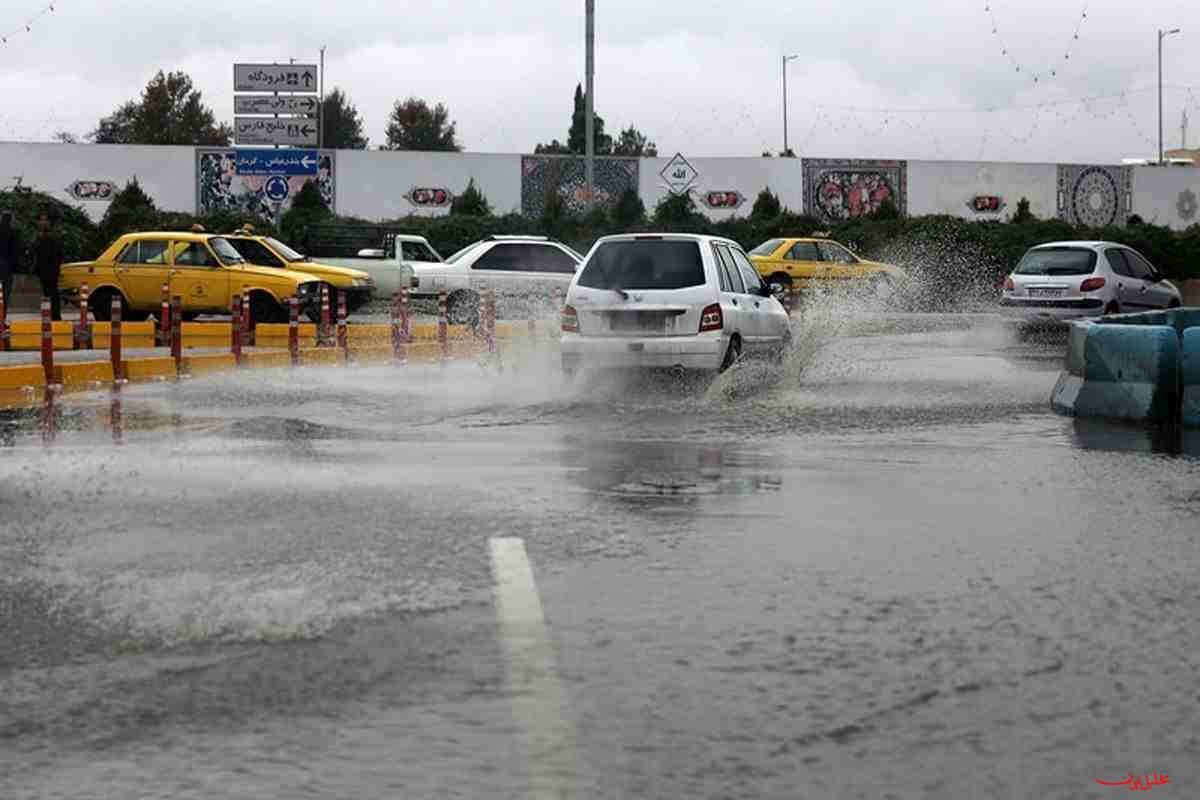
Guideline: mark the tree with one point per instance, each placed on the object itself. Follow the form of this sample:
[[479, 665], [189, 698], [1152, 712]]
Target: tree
[[308, 208], [577, 134], [471, 203], [630, 211], [130, 211], [65, 137], [677, 212], [632, 142], [413, 125], [1023, 215], [343, 125], [766, 205], [170, 111]]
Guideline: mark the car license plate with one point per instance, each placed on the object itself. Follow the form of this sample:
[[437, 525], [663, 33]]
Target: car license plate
[[1042, 292]]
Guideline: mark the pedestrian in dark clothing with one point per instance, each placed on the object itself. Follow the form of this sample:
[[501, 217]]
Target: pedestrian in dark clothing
[[48, 258], [10, 250]]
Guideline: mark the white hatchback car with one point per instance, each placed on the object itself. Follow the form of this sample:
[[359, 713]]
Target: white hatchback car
[[669, 300], [1061, 281], [526, 267]]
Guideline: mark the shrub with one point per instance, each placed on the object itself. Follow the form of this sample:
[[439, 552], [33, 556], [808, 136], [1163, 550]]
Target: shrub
[[630, 212], [471, 203], [766, 205]]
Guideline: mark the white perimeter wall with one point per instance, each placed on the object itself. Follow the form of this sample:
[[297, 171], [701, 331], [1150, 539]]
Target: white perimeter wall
[[945, 187], [746, 175], [167, 174], [1156, 194], [373, 183]]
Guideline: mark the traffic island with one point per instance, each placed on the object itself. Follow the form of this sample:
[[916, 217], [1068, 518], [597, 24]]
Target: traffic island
[[1133, 367]]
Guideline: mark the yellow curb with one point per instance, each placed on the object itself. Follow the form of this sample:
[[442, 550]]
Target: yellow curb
[[208, 363], [21, 376], [321, 355], [75, 373], [371, 353], [268, 359], [148, 368]]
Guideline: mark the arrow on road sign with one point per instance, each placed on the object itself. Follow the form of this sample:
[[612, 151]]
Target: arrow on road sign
[[308, 79]]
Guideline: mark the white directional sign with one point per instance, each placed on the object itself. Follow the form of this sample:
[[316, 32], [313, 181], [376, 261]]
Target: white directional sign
[[275, 78], [272, 104], [262, 130]]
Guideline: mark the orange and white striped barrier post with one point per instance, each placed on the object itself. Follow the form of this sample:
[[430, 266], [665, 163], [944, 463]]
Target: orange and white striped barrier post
[[343, 335], [490, 332], [164, 317], [47, 342], [294, 330], [235, 329], [323, 331], [177, 334], [405, 319], [245, 321], [397, 348], [49, 421], [443, 325], [114, 341], [114, 415], [83, 331], [3, 320]]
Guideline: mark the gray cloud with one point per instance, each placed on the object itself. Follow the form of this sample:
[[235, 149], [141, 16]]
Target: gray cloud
[[701, 77]]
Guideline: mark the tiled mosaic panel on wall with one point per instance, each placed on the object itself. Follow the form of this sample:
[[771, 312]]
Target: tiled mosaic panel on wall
[[840, 189], [567, 177]]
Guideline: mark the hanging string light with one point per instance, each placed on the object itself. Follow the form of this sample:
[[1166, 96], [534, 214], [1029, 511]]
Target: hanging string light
[[1007, 53], [27, 26]]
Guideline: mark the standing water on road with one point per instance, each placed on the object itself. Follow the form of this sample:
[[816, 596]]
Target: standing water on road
[[883, 568]]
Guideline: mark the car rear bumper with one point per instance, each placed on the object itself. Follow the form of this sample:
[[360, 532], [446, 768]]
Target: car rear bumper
[[700, 352], [1052, 310]]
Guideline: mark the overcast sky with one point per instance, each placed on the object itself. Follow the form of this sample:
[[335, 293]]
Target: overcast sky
[[697, 76]]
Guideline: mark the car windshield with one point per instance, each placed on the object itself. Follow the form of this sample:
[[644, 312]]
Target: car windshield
[[767, 248], [225, 251], [283, 250], [644, 264], [462, 252], [1058, 261]]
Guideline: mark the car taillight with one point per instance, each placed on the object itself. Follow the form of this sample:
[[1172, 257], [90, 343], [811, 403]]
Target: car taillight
[[570, 320], [711, 318], [1091, 285], [1009, 285]]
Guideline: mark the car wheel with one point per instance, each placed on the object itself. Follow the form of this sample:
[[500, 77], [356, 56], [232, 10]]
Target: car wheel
[[780, 352], [462, 308], [100, 305], [1112, 308], [783, 279], [1174, 304], [732, 354], [263, 309]]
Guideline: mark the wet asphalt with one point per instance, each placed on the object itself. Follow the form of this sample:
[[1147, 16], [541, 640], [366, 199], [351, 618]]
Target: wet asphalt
[[884, 569]]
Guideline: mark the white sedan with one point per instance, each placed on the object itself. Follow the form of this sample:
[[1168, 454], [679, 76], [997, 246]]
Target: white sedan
[[525, 267]]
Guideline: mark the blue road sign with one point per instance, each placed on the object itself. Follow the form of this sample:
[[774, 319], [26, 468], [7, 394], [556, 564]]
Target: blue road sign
[[277, 162], [276, 188]]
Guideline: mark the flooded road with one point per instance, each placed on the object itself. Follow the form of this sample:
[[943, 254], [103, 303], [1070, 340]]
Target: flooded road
[[884, 569]]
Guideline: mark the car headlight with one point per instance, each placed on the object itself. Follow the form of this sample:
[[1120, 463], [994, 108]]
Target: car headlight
[[363, 282]]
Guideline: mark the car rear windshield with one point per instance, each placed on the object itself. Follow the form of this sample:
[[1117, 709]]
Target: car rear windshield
[[1058, 261], [767, 247], [225, 251], [644, 264]]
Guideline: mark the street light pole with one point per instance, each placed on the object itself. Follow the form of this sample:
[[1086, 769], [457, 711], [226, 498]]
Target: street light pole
[[1161, 35], [784, 61], [589, 104]]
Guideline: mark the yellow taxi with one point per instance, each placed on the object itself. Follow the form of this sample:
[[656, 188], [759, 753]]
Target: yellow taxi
[[819, 263], [204, 270], [267, 251]]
